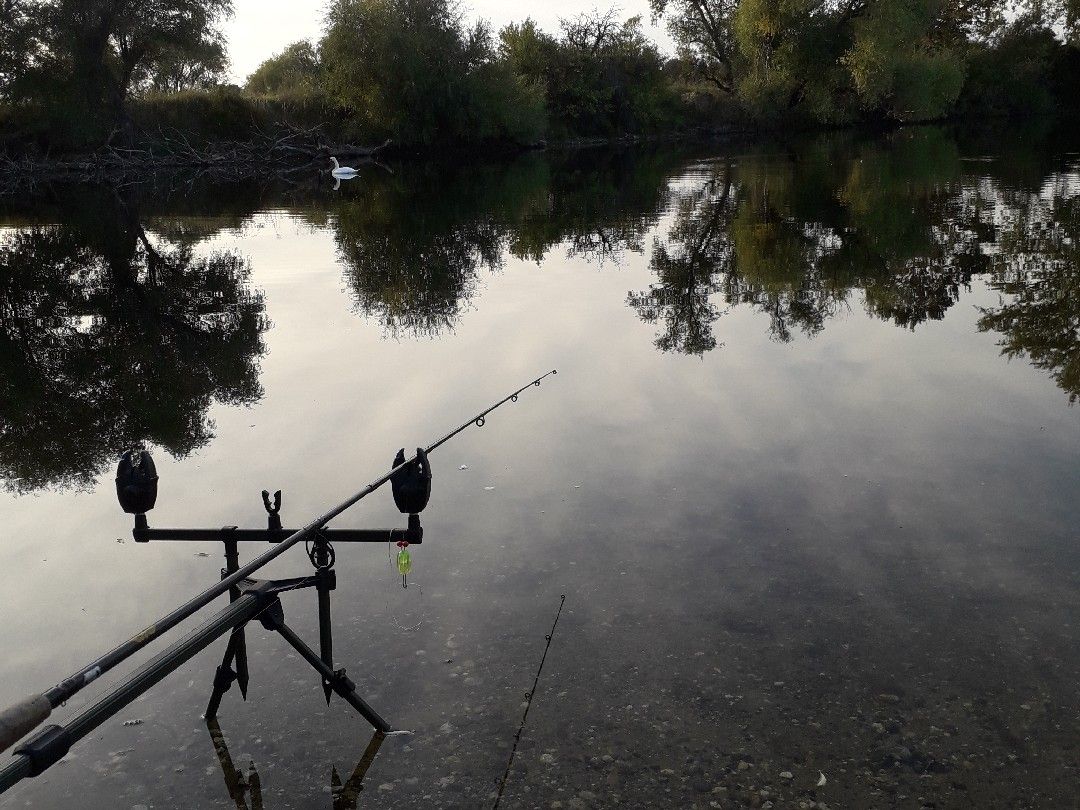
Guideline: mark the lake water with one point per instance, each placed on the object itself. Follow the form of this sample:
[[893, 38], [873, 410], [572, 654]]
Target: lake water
[[807, 476]]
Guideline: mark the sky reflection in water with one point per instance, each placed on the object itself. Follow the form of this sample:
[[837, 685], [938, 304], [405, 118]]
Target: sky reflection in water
[[807, 475]]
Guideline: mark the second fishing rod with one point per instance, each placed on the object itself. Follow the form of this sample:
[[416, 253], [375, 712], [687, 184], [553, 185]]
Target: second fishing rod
[[23, 717]]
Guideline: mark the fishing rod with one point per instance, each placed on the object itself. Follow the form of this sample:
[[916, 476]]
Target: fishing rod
[[137, 491]]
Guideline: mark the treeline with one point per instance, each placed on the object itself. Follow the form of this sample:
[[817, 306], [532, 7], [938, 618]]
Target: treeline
[[81, 73], [417, 72]]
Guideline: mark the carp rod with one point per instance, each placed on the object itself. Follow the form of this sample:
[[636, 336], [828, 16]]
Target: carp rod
[[24, 716]]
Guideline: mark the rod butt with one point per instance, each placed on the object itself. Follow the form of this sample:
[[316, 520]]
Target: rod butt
[[18, 720]]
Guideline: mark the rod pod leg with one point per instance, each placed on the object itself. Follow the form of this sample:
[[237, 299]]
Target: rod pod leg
[[273, 618], [326, 581], [225, 675]]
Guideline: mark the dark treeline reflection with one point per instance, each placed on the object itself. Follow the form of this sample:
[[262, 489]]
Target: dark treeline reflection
[[899, 226], [795, 234], [1038, 276], [114, 332], [414, 243], [118, 325]]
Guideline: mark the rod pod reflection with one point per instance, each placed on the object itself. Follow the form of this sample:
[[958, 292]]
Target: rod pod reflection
[[136, 487]]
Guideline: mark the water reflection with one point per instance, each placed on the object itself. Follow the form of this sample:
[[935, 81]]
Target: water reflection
[[899, 225], [822, 541], [688, 264], [244, 786], [111, 335], [414, 244], [1038, 276], [410, 258], [117, 321]]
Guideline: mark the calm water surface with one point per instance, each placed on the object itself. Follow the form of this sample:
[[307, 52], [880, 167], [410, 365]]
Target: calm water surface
[[807, 476]]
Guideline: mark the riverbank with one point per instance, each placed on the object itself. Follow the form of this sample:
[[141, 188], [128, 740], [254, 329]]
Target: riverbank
[[285, 154], [296, 155], [289, 154]]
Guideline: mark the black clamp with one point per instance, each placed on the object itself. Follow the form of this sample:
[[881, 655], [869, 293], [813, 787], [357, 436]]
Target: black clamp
[[273, 615], [321, 552], [326, 579], [273, 519], [46, 748], [415, 533], [342, 680], [223, 678]]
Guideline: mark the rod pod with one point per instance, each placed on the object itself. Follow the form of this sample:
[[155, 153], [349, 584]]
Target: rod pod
[[26, 715]]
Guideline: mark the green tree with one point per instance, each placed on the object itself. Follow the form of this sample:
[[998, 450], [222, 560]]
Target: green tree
[[790, 60], [1011, 75], [703, 30], [414, 71], [297, 68], [837, 61], [78, 61], [600, 77], [902, 63], [199, 66]]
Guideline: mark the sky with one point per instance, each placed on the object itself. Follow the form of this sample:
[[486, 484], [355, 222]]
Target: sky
[[261, 28]]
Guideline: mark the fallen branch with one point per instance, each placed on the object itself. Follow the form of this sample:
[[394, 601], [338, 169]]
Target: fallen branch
[[285, 152]]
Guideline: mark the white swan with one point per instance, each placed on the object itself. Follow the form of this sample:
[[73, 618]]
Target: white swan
[[341, 171]]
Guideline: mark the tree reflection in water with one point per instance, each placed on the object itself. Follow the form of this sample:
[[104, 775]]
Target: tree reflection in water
[[415, 243], [688, 266], [110, 337], [116, 329], [412, 247], [905, 226], [1037, 274], [902, 226]]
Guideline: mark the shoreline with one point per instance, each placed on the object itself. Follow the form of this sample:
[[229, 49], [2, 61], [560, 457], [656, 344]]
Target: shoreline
[[288, 155]]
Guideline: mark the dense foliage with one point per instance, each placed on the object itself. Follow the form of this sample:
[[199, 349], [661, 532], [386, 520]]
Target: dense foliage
[[600, 76], [842, 61], [295, 69], [414, 71], [75, 63], [84, 72]]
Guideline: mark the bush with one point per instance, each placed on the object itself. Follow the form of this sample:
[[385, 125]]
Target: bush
[[412, 71], [297, 69], [600, 77], [202, 115], [229, 114]]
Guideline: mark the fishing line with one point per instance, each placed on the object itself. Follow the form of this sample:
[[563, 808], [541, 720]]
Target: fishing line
[[528, 704]]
